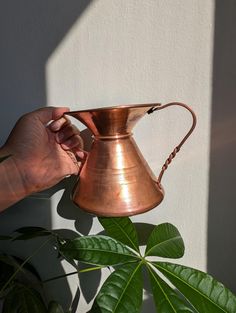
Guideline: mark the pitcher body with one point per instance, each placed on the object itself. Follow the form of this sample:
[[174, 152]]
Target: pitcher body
[[115, 180]]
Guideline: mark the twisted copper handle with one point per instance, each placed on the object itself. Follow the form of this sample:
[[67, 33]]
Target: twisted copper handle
[[177, 148]]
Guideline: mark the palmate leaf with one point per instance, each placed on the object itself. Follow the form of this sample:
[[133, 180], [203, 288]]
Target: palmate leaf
[[166, 299], [24, 300], [165, 241], [122, 291], [203, 291], [98, 250], [122, 229]]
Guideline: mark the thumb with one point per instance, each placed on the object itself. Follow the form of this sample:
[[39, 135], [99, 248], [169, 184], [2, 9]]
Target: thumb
[[50, 113], [58, 112]]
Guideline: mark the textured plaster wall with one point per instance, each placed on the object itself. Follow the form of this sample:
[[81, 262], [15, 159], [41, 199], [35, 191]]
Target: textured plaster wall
[[120, 52], [138, 52], [127, 52]]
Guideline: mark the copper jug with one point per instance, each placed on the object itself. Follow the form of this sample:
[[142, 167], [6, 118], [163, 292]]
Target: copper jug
[[115, 179]]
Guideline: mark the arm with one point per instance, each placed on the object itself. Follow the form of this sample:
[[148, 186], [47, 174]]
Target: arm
[[40, 155], [12, 188]]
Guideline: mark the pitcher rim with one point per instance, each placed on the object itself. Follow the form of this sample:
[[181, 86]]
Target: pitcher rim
[[121, 106]]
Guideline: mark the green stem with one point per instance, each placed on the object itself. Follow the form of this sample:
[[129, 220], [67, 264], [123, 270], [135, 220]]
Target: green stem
[[85, 270], [22, 265], [73, 273], [58, 277]]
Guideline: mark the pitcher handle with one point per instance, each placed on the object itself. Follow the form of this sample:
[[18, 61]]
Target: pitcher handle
[[177, 148]]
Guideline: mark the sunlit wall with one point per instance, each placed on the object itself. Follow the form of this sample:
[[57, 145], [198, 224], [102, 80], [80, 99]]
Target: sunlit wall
[[121, 52]]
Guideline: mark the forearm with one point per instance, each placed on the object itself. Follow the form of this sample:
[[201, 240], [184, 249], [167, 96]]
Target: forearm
[[12, 187]]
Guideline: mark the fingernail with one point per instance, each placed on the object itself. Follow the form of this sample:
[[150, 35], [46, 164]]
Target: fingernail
[[55, 126], [80, 154]]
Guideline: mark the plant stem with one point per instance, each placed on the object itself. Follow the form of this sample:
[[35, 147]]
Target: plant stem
[[58, 277], [22, 265], [73, 273]]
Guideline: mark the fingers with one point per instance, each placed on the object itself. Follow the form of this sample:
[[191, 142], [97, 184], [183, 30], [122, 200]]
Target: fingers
[[72, 143], [58, 112], [49, 113], [66, 132], [58, 124], [68, 136], [75, 145]]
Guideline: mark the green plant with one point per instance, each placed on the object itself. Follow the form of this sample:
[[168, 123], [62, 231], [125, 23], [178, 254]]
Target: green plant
[[21, 288], [193, 291]]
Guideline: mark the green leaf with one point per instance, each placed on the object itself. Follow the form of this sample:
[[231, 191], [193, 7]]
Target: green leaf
[[31, 236], [165, 241], [98, 250], [19, 269], [9, 264], [95, 308], [59, 245], [12, 261], [166, 299], [122, 229], [24, 300], [31, 232], [204, 292], [55, 307], [122, 291], [30, 229]]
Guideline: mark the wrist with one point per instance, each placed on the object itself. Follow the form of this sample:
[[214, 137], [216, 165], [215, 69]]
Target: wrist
[[13, 182]]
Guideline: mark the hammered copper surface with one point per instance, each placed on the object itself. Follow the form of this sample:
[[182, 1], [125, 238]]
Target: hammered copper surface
[[115, 179]]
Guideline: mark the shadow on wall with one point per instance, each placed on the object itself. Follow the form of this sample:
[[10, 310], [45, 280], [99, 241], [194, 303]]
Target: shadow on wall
[[30, 31], [222, 195]]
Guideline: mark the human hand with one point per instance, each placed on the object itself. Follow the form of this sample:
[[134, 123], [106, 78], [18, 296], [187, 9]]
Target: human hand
[[44, 153]]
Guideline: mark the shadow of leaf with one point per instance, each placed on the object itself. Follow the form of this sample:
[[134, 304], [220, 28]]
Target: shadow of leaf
[[89, 282]]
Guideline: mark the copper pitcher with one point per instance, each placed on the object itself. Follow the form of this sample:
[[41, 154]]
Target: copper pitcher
[[115, 179]]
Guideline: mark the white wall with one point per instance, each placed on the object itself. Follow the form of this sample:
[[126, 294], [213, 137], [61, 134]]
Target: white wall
[[148, 51], [134, 51], [130, 52]]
